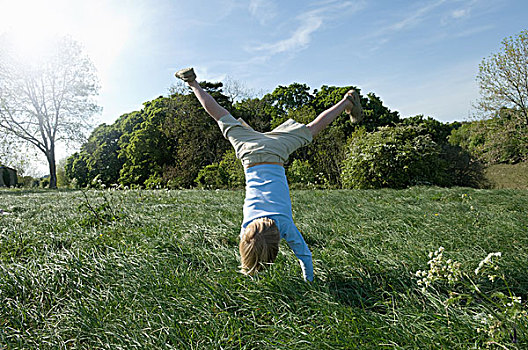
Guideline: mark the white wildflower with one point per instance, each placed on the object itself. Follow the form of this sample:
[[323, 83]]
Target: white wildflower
[[492, 277], [488, 260]]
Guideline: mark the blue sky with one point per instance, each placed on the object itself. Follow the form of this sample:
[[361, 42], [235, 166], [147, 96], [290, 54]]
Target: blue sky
[[419, 57]]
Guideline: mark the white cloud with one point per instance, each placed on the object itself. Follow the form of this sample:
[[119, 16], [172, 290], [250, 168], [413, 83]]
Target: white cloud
[[463, 12], [474, 30], [411, 20], [263, 10], [310, 22], [298, 40], [460, 13], [422, 19]]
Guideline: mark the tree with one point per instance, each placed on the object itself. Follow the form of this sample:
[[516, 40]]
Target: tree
[[228, 173], [439, 131], [149, 148], [501, 139], [164, 144], [99, 156], [176, 139], [255, 111], [503, 77], [290, 97], [503, 80], [76, 168], [236, 90], [49, 100]]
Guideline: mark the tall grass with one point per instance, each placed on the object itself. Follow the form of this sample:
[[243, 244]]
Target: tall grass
[[158, 269], [507, 175]]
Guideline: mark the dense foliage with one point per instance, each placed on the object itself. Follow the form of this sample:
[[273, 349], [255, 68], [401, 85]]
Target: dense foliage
[[502, 136], [391, 157], [228, 173], [164, 144], [172, 142], [414, 152], [501, 139]]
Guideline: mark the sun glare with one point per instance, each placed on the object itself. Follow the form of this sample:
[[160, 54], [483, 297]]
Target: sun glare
[[30, 25], [103, 27], [33, 24]]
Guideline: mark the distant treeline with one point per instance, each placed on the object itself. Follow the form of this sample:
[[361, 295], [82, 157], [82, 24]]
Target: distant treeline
[[173, 143]]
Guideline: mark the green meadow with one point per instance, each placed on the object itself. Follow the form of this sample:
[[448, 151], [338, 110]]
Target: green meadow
[[148, 269]]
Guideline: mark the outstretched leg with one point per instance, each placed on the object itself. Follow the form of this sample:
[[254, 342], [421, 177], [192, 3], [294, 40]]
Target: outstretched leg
[[207, 101], [328, 116], [349, 103]]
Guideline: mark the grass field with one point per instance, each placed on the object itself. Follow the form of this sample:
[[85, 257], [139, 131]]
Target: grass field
[[158, 269], [507, 175]]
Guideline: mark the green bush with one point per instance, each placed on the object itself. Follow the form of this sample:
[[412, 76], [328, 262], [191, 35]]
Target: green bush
[[44, 182], [28, 181], [233, 169], [499, 140], [395, 157], [302, 175], [76, 168], [211, 176], [300, 172], [63, 181], [406, 155], [228, 173], [153, 182], [460, 169]]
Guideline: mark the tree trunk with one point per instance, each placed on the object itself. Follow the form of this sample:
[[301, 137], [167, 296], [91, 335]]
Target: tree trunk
[[52, 168]]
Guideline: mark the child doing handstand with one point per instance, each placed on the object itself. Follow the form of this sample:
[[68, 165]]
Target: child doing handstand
[[267, 206]]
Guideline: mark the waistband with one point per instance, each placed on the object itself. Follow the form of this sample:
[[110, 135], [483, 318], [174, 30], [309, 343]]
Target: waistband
[[260, 163], [261, 158]]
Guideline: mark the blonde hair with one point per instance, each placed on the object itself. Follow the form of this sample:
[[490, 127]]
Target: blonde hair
[[259, 245]]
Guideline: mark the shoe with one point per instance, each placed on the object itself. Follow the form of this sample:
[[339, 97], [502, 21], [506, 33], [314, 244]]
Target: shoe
[[186, 74], [356, 112]]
